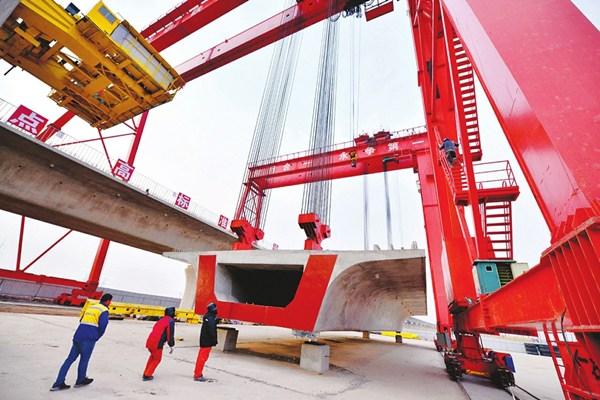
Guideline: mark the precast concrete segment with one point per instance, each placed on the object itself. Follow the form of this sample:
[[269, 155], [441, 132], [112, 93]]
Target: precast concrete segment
[[40, 182], [312, 290]]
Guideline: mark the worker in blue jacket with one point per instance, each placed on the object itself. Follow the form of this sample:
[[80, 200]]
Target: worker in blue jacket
[[91, 328], [449, 147]]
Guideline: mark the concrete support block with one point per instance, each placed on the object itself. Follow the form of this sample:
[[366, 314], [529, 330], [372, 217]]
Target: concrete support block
[[314, 357], [398, 338], [366, 335], [227, 338]]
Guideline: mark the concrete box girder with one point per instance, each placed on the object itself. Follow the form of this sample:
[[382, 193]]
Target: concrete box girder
[[346, 290]]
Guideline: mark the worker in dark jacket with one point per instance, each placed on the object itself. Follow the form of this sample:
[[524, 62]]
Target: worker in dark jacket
[[450, 147], [92, 326], [163, 331], [208, 339]]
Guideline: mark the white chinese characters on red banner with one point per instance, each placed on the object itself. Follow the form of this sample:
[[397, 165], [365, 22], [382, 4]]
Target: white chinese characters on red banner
[[29, 120], [223, 222], [183, 201], [123, 170]]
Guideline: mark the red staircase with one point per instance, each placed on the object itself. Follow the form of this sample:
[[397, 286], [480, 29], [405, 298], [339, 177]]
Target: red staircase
[[497, 221], [496, 190], [466, 87]]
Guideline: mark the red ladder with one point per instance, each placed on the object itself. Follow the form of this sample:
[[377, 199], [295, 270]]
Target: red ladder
[[497, 221], [466, 81], [560, 368]]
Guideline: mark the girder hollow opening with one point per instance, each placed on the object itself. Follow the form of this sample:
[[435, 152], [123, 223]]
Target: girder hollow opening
[[265, 285]]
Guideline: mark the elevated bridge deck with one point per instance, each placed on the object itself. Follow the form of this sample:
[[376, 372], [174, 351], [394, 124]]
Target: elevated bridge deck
[[42, 183]]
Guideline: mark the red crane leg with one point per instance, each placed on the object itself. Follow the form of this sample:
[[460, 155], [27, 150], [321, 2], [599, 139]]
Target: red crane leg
[[292, 20], [538, 64], [185, 19], [437, 92], [20, 248], [94, 278], [431, 213]]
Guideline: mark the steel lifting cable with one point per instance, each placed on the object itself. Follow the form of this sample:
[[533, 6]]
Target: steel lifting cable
[[354, 113], [270, 123], [398, 205], [317, 189], [366, 208], [388, 210]]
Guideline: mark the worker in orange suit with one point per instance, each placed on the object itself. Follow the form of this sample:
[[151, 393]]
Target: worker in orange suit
[[208, 339], [162, 332]]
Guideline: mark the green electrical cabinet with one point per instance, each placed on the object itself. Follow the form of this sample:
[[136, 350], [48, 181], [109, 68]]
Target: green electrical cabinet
[[485, 274]]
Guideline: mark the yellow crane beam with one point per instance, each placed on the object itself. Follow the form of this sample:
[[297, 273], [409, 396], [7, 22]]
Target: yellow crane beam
[[147, 310], [98, 66]]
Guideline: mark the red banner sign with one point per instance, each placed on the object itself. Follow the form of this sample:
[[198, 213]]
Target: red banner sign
[[29, 120]]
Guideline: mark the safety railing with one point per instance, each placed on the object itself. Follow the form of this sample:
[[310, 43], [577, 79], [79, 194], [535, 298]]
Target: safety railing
[[494, 175], [338, 146], [99, 161]]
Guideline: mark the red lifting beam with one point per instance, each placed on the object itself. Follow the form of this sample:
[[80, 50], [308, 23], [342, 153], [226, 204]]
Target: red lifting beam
[[287, 22], [291, 169], [185, 19]]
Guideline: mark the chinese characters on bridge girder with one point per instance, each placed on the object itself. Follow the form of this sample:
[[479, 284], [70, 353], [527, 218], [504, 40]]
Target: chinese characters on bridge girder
[[123, 170], [275, 246], [223, 222], [29, 120], [183, 201]]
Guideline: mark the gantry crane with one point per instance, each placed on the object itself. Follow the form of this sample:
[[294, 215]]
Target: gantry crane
[[537, 63]]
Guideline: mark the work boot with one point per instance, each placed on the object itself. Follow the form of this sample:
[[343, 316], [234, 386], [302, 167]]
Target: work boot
[[201, 378], [147, 378], [84, 382], [62, 386]]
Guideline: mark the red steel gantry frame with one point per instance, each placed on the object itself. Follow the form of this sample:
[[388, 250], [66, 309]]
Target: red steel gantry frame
[[537, 63]]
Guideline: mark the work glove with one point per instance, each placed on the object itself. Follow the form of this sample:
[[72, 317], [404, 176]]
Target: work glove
[[171, 350]]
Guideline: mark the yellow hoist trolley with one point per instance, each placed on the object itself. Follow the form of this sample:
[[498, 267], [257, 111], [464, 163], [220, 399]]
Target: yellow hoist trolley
[[98, 66]]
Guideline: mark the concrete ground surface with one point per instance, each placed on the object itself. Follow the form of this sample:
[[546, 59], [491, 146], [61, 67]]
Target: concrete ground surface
[[264, 366]]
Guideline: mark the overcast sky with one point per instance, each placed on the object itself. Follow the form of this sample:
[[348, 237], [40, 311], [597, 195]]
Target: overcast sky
[[198, 144]]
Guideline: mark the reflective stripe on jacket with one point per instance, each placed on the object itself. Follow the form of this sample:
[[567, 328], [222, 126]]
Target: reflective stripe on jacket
[[92, 324]]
